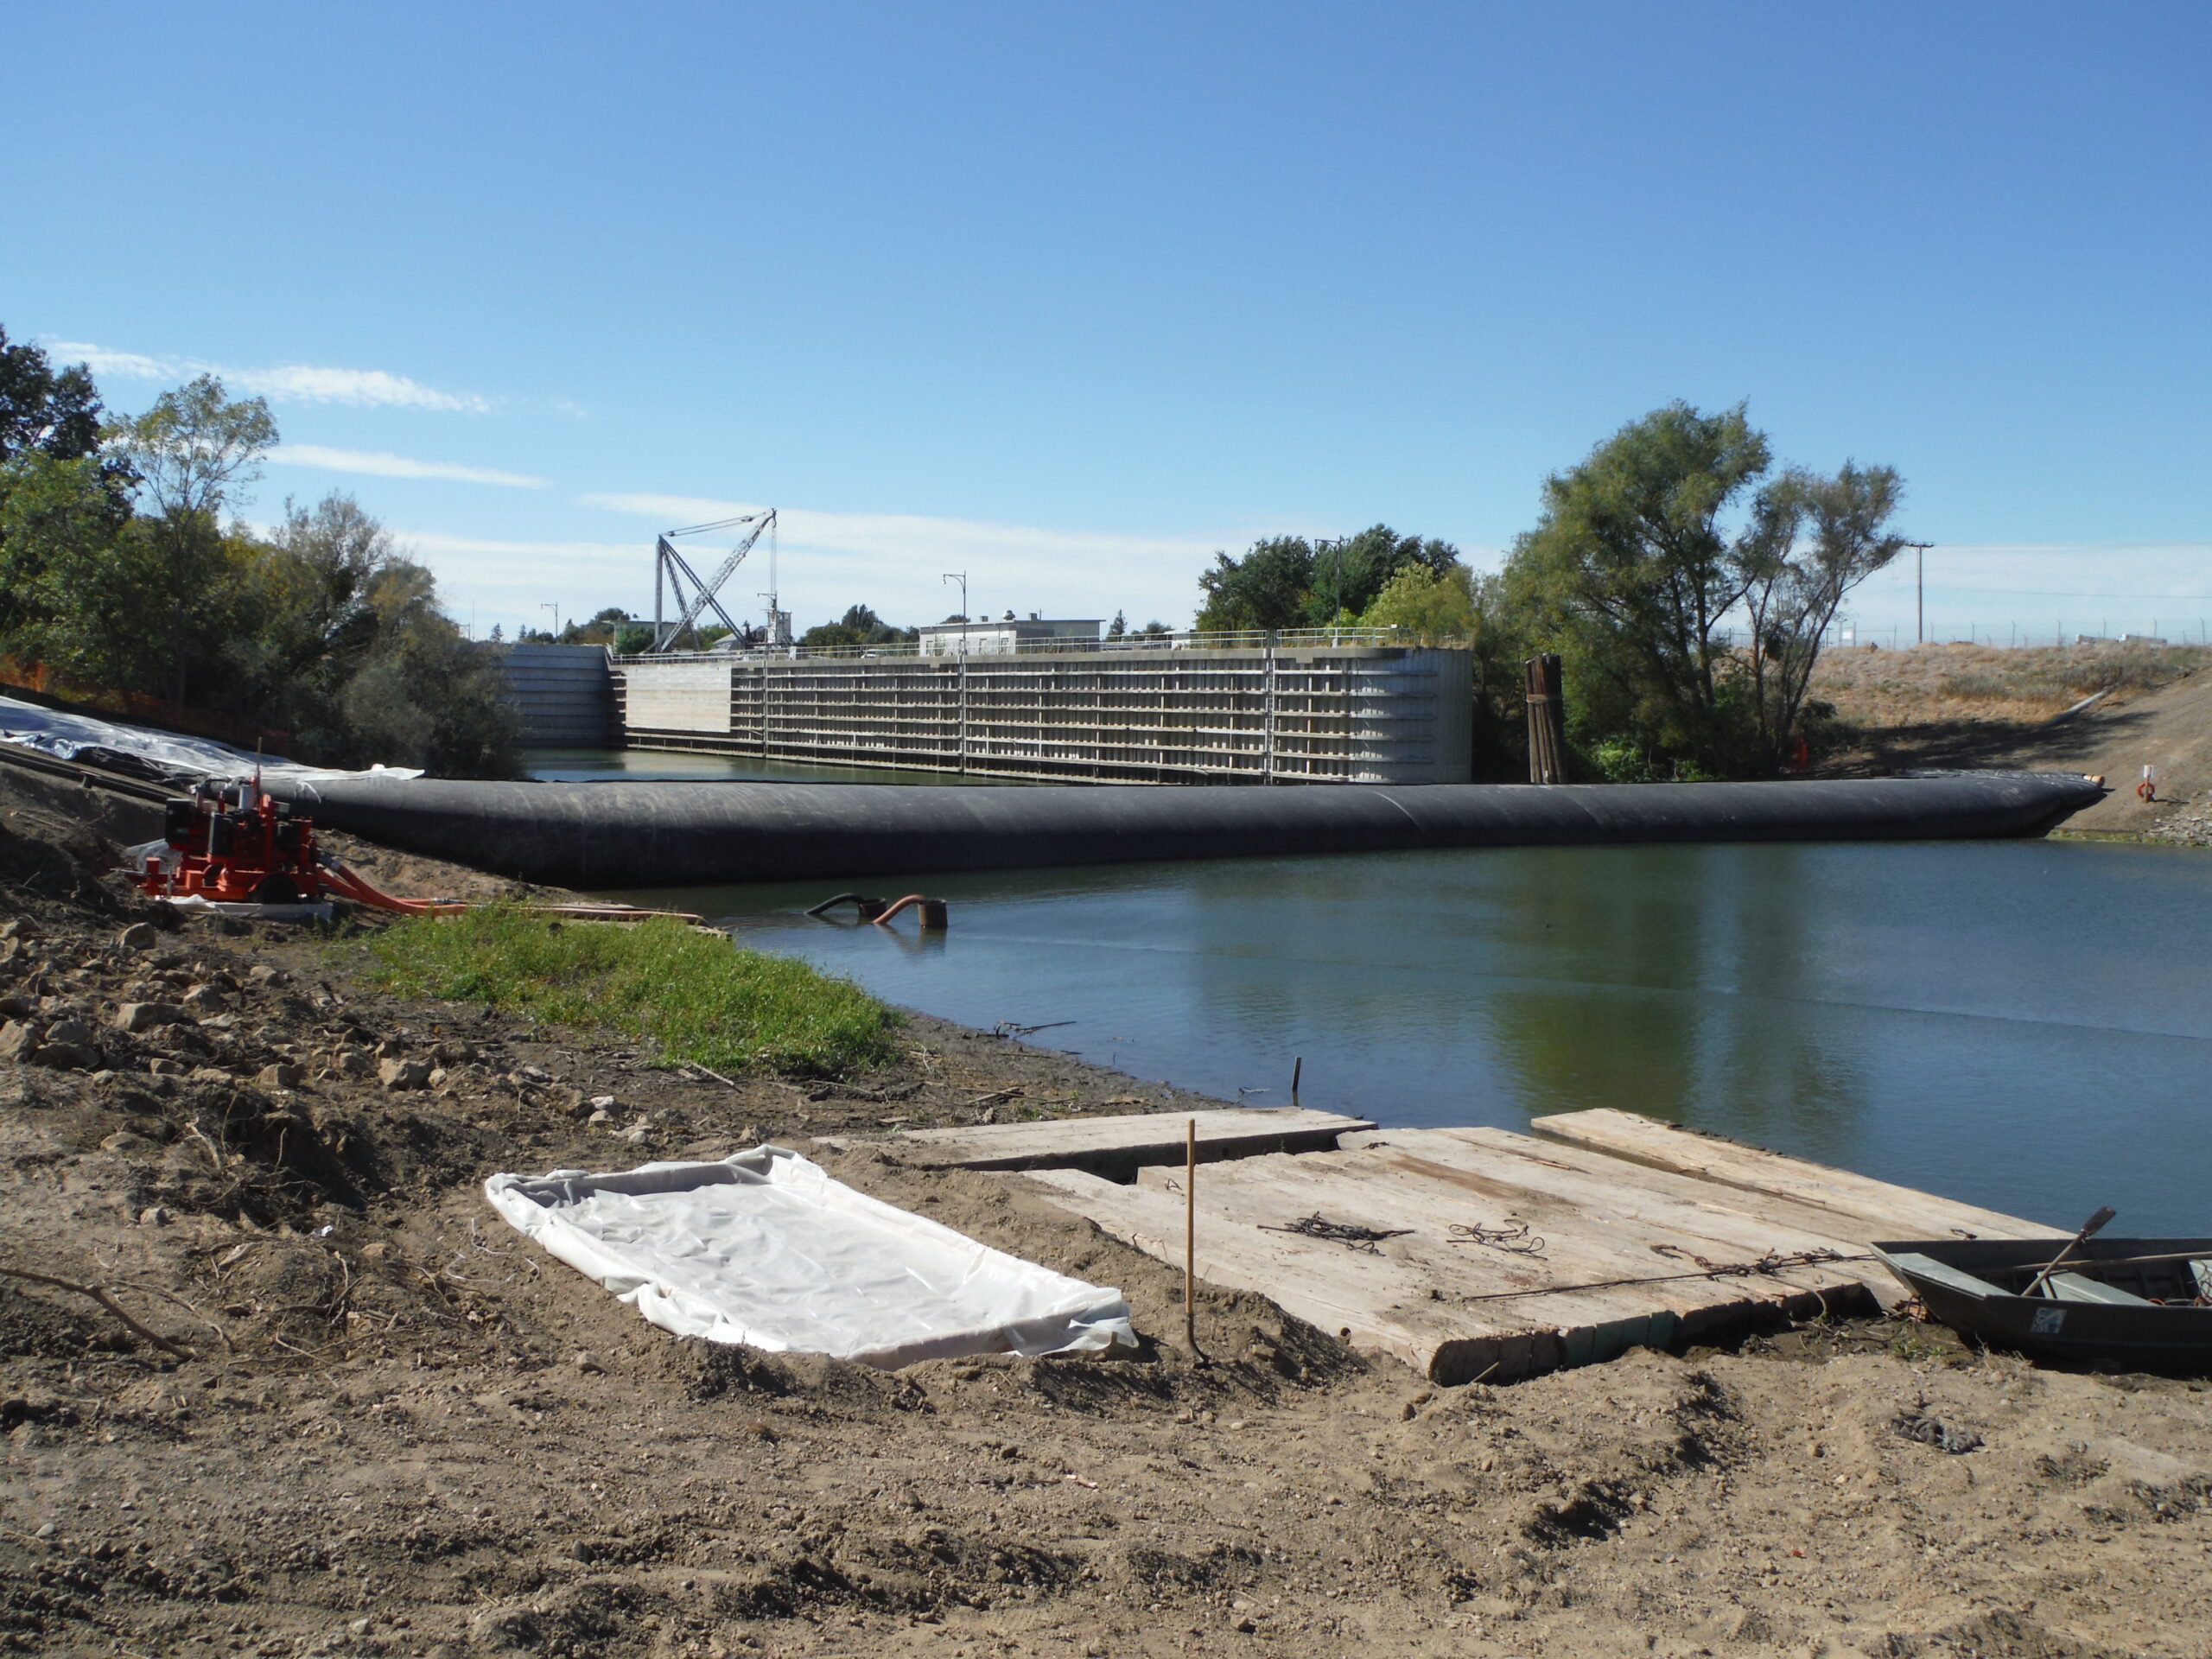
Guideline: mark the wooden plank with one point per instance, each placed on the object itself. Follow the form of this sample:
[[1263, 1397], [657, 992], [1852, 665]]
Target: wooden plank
[[1432, 1180], [1378, 1303], [1117, 1146], [1878, 1208], [1458, 1311], [1639, 1209]]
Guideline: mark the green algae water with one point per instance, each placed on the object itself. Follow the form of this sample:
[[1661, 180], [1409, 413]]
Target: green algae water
[[2023, 1025]]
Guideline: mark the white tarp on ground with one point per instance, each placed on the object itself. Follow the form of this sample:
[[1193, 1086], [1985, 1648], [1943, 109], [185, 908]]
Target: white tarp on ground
[[147, 753], [767, 1249]]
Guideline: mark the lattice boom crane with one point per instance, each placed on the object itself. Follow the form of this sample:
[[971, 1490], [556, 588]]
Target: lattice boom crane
[[671, 570]]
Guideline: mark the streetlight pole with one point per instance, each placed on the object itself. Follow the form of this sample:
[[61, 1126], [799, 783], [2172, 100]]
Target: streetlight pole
[[556, 609], [961, 576], [1919, 591]]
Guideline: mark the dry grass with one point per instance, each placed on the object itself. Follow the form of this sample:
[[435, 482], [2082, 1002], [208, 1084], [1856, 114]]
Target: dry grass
[[1872, 689]]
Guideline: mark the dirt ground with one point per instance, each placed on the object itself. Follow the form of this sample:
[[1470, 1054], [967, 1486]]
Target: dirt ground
[[1978, 706], [401, 1430]]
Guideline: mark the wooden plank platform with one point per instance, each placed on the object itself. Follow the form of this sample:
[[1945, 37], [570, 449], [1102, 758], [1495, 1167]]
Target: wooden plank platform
[[1633, 1255], [1869, 1208], [1451, 1308], [1117, 1147]]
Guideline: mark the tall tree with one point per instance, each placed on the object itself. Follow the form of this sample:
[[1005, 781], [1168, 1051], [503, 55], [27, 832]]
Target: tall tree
[[1286, 581], [1631, 569], [192, 451], [1815, 539], [77, 496], [1349, 572], [55, 412], [195, 448], [1266, 588]]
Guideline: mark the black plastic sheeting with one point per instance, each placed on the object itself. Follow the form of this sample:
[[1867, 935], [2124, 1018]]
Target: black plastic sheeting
[[649, 835]]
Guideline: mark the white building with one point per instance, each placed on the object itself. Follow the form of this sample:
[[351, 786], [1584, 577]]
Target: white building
[[985, 638]]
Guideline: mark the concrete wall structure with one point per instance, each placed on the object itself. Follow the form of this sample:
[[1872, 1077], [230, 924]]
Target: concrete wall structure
[[1261, 715], [565, 693]]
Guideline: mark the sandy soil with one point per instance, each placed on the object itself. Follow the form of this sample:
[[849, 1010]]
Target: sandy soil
[[402, 1431]]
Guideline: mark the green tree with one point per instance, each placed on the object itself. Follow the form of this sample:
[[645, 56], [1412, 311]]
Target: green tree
[[193, 451], [1286, 581], [55, 413], [75, 586], [1269, 588], [1348, 573], [860, 625], [1118, 627], [1644, 554], [1427, 608], [79, 496], [423, 695], [1630, 571], [349, 651], [1816, 539]]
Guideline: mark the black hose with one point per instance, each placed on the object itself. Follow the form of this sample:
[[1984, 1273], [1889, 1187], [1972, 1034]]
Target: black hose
[[864, 906]]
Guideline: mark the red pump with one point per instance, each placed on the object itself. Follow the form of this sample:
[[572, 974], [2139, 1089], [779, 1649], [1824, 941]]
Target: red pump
[[228, 852], [235, 845]]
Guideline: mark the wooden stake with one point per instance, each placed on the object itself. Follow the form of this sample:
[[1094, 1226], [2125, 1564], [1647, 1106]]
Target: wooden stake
[[1191, 1234], [1297, 1070]]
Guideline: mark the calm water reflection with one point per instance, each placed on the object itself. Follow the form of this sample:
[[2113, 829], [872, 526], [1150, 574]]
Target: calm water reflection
[[2023, 1025]]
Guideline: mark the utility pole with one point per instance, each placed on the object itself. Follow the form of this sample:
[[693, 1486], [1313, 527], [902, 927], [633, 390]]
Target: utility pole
[[961, 576], [1919, 591]]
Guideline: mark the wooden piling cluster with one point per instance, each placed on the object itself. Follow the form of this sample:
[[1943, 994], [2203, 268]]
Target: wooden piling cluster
[[1547, 720]]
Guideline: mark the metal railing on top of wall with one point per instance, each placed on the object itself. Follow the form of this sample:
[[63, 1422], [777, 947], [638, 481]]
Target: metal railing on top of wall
[[1239, 639]]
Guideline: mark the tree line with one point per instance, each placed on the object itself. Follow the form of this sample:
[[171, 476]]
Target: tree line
[[122, 567], [1684, 579]]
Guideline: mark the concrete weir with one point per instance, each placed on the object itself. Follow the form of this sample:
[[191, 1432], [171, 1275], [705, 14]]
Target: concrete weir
[[648, 834]]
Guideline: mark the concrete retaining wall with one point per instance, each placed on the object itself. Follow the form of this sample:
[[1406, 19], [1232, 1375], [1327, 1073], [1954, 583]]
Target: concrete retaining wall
[[1334, 715], [566, 693]]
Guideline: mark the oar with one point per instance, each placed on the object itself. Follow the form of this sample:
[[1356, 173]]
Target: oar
[[2090, 1228]]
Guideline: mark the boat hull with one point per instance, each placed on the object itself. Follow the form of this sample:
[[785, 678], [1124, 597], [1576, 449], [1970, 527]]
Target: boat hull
[[2174, 1339]]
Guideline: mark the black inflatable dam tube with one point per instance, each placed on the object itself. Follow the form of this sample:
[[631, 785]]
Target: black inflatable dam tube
[[650, 834]]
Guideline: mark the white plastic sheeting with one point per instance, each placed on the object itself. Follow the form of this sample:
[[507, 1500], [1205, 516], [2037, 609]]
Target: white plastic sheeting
[[149, 754], [766, 1249]]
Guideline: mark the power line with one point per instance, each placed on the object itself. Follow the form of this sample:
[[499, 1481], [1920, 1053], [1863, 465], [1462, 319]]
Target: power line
[[2040, 592]]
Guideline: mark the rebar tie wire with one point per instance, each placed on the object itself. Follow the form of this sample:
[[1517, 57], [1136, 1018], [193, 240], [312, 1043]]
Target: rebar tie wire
[[1349, 1233], [1514, 1236]]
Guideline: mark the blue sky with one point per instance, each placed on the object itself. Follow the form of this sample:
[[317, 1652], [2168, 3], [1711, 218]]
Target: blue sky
[[1068, 297]]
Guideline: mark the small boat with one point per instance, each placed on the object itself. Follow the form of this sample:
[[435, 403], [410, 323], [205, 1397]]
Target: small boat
[[2111, 1304]]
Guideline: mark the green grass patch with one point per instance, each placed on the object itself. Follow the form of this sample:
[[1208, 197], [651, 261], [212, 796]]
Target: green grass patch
[[695, 995]]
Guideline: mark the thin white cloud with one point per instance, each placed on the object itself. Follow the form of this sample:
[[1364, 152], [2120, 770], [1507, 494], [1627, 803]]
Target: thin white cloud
[[290, 383], [379, 464]]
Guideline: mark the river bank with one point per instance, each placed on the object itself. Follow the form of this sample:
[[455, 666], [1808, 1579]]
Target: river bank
[[401, 1430]]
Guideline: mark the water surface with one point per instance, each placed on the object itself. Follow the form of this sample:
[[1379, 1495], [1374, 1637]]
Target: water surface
[[653, 766], [2024, 1025]]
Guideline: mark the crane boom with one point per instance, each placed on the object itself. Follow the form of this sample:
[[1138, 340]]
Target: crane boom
[[670, 563]]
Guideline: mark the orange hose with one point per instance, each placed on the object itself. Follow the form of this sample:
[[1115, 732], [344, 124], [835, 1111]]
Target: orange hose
[[347, 883]]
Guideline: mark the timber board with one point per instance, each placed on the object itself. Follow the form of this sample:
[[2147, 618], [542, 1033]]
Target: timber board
[[1117, 1146], [1456, 1312], [1869, 1208]]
